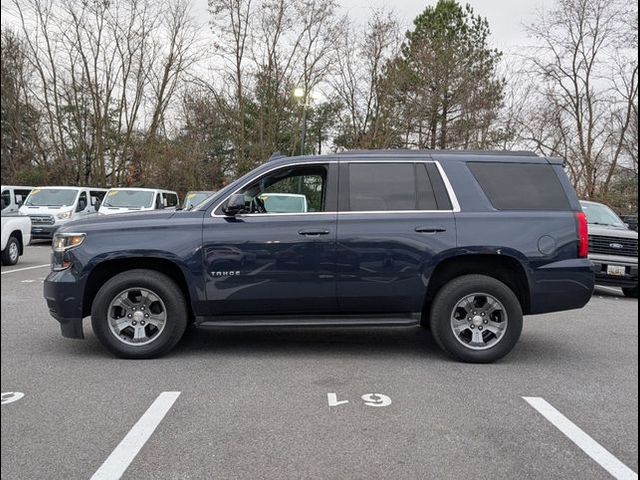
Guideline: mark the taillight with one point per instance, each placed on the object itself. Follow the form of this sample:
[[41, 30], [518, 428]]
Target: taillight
[[583, 235]]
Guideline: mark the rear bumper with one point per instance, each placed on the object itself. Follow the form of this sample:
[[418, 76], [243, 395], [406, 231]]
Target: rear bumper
[[564, 285], [64, 300]]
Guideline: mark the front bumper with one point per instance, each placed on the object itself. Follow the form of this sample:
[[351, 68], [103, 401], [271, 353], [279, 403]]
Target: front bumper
[[43, 232], [62, 292], [601, 262]]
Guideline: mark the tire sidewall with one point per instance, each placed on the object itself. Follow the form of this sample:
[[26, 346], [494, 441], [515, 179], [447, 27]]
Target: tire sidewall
[[6, 256], [162, 286], [451, 294]]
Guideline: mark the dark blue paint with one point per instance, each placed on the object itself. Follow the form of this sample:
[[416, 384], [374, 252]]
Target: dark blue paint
[[363, 263]]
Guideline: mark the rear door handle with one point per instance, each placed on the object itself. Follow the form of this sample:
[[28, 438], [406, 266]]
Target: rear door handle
[[430, 229], [313, 232]]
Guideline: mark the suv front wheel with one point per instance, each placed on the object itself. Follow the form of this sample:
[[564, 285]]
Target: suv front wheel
[[139, 314], [476, 318]]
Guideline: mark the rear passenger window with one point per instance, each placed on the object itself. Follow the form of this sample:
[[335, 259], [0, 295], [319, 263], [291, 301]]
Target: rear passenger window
[[520, 186], [390, 186]]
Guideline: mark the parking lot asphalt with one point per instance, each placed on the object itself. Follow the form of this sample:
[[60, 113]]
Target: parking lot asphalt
[[254, 403]]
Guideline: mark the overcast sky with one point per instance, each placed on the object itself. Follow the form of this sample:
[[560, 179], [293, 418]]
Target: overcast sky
[[506, 17]]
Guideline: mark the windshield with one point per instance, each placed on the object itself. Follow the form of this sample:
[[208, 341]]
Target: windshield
[[598, 214], [194, 198], [51, 197], [128, 199]]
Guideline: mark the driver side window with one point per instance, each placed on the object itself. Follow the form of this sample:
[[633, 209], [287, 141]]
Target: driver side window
[[299, 189], [6, 199], [82, 202]]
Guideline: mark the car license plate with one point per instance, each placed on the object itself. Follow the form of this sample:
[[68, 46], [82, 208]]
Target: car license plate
[[615, 270]]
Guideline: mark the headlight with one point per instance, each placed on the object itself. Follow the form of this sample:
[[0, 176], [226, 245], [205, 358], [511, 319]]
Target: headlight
[[64, 241], [64, 215]]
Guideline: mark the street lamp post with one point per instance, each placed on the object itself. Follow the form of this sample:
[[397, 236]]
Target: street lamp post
[[301, 94]]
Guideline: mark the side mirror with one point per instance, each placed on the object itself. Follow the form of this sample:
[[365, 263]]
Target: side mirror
[[235, 204], [97, 203]]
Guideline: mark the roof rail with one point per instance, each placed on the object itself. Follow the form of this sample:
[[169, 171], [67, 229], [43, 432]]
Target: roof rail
[[275, 156], [510, 153]]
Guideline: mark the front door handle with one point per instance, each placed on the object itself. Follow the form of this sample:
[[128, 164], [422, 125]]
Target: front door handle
[[430, 229], [313, 232]]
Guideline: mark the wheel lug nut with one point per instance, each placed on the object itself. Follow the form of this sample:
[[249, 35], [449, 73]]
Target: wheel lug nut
[[482, 314], [141, 308], [134, 323], [480, 327], [486, 321], [472, 326], [129, 316], [146, 315], [141, 322]]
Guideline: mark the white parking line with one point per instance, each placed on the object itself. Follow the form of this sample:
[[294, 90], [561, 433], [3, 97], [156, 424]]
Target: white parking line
[[609, 289], [25, 268], [116, 464], [592, 448], [10, 397]]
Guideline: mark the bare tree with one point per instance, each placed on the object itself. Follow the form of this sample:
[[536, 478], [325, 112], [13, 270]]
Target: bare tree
[[21, 147], [105, 70], [264, 49], [361, 59], [589, 84]]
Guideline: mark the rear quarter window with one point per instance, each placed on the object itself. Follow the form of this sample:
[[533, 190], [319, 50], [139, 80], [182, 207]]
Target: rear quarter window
[[520, 186]]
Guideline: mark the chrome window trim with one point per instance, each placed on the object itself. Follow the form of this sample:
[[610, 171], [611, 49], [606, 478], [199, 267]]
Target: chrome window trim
[[455, 205], [452, 195]]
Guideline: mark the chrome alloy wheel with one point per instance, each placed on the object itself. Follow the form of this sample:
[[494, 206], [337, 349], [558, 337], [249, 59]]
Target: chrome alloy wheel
[[14, 252], [137, 316], [479, 321]]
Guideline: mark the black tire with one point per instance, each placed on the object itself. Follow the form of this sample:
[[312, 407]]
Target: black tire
[[453, 292], [631, 292], [165, 288], [13, 242]]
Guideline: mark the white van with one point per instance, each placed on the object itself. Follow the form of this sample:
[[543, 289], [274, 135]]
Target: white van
[[13, 197], [51, 207], [125, 200]]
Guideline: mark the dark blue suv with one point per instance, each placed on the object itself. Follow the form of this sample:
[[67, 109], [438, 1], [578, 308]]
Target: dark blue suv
[[462, 243]]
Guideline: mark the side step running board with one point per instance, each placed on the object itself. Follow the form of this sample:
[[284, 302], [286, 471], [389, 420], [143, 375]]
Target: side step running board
[[399, 320]]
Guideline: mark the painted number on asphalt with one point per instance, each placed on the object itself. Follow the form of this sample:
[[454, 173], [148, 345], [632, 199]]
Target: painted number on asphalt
[[369, 399], [9, 397], [376, 400]]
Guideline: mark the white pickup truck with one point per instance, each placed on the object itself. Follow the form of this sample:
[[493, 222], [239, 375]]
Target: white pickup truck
[[16, 234]]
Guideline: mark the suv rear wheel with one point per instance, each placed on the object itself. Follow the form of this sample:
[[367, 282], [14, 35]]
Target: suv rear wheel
[[139, 314], [476, 318]]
